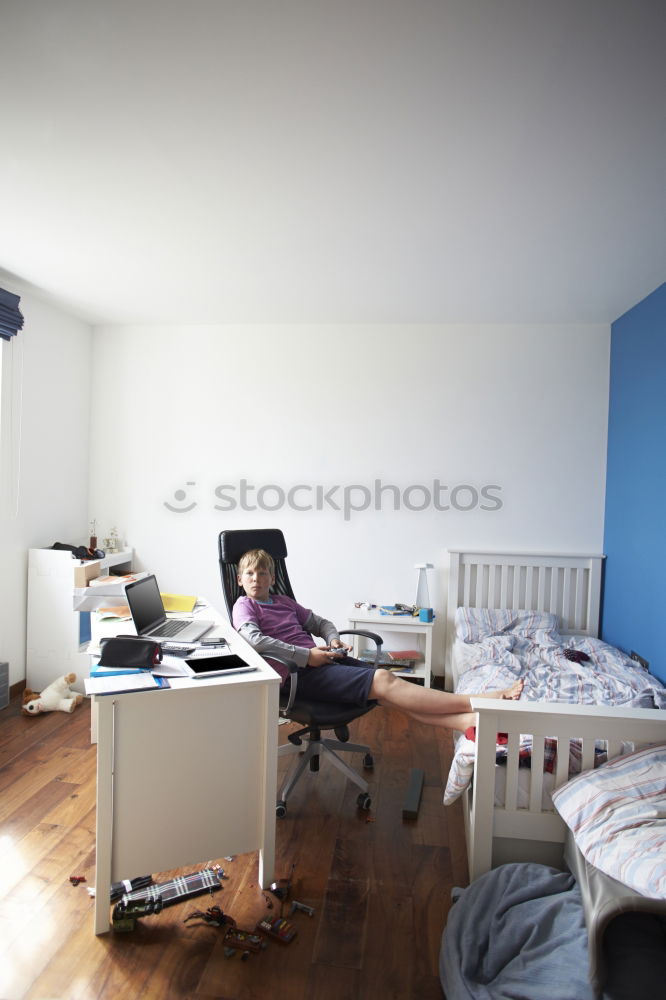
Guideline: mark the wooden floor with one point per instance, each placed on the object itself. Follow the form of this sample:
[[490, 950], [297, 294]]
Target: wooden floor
[[379, 885]]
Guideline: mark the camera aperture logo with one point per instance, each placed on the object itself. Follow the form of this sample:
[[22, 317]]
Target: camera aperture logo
[[348, 500]]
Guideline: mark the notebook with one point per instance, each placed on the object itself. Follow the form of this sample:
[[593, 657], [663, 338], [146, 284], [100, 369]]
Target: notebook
[[150, 620]]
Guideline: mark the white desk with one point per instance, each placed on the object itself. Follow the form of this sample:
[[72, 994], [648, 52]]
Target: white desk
[[186, 774], [374, 622]]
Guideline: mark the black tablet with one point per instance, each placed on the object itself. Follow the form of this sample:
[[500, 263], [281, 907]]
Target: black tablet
[[217, 666]]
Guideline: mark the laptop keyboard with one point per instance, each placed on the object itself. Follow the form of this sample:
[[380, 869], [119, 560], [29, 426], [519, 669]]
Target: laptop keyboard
[[172, 627]]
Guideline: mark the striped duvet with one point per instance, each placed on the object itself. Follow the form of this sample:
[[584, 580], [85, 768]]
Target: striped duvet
[[515, 644]]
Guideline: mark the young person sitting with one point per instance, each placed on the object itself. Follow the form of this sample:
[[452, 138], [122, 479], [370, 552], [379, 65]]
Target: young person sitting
[[274, 623]]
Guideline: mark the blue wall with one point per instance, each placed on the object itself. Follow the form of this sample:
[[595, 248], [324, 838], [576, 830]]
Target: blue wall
[[634, 601]]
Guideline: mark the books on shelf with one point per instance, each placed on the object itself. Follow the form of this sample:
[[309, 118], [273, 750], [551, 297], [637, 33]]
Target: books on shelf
[[115, 584], [106, 581], [110, 585], [403, 654], [401, 660], [90, 600], [104, 592], [120, 612]]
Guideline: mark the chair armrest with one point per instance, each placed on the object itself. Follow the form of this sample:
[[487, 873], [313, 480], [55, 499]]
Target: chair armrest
[[293, 684], [377, 639]]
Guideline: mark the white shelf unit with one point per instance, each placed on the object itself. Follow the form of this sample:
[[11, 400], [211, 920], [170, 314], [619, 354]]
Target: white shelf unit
[[57, 636], [400, 626]]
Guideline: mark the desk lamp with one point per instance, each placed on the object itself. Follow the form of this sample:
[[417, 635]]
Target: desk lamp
[[422, 593]]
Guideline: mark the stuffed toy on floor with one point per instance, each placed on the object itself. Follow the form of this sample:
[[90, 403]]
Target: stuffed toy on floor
[[57, 697]]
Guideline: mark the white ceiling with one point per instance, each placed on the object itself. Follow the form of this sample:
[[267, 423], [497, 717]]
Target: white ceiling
[[310, 161]]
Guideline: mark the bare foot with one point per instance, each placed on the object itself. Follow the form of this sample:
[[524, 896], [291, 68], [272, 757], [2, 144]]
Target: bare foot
[[509, 694], [514, 692]]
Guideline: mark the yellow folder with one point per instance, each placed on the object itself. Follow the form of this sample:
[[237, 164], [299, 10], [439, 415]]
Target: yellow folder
[[178, 602]]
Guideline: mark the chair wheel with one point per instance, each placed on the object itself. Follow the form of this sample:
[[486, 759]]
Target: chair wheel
[[368, 761], [364, 801], [281, 810], [342, 733]]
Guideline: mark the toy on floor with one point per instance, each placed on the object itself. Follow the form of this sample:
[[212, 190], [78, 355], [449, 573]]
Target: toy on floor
[[57, 697]]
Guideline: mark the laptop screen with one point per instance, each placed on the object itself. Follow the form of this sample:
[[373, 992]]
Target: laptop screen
[[145, 603]]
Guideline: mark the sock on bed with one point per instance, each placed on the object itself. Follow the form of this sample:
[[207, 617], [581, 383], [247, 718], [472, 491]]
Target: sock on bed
[[501, 738]]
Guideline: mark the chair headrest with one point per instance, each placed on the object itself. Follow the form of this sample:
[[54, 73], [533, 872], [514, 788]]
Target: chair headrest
[[233, 544]]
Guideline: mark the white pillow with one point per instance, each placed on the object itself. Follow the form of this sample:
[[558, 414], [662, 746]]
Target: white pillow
[[477, 624], [617, 814]]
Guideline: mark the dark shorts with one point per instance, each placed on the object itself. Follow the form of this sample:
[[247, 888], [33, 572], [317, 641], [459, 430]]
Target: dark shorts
[[347, 681]]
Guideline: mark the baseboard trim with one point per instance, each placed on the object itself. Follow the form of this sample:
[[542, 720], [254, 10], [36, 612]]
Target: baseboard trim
[[16, 690]]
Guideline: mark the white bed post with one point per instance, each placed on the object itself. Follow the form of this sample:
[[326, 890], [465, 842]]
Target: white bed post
[[451, 605], [480, 847]]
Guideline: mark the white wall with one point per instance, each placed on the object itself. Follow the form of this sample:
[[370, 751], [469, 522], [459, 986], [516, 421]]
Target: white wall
[[524, 408], [44, 454]]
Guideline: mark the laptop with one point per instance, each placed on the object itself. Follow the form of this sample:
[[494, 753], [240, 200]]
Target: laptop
[[149, 617]]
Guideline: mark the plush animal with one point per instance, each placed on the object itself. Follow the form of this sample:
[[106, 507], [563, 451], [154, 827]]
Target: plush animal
[[57, 697]]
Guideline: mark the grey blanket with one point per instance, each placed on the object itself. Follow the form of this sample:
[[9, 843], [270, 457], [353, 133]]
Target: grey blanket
[[517, 933]]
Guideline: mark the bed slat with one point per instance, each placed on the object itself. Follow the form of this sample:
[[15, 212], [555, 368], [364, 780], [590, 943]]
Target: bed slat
[[580, 603], [512, 764], [588, 754], [541, 590], [536, 782], [529, 587], [504, 587], [562, 766], [566, 591]]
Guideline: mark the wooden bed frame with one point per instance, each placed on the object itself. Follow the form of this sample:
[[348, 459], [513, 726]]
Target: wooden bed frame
[[500, 834], [568, 586]]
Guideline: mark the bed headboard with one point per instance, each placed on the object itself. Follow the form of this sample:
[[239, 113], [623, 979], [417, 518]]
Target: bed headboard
[[568, 586]]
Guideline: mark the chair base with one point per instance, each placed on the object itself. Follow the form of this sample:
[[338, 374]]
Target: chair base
[[329, 749]]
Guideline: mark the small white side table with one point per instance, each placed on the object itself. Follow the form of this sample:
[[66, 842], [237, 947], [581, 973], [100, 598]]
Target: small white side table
[[373, 622]]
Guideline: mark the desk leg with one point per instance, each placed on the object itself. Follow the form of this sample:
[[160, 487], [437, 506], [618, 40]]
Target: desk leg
[[266, 866], [267, 847], [105, 709], [93, 720]]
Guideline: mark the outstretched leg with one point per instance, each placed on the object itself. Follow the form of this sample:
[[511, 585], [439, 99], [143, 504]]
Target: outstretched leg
[[437, 708]]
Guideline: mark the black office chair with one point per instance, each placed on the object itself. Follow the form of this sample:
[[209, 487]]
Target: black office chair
[[314, 716]]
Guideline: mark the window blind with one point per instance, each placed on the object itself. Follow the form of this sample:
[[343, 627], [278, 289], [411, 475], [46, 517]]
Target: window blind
[[11, 319]]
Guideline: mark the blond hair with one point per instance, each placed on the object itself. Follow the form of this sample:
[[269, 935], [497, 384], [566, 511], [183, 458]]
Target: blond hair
[[256, 559]]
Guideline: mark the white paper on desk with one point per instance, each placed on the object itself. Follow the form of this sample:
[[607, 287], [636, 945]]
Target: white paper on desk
[[171, 666], [120, 682]]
